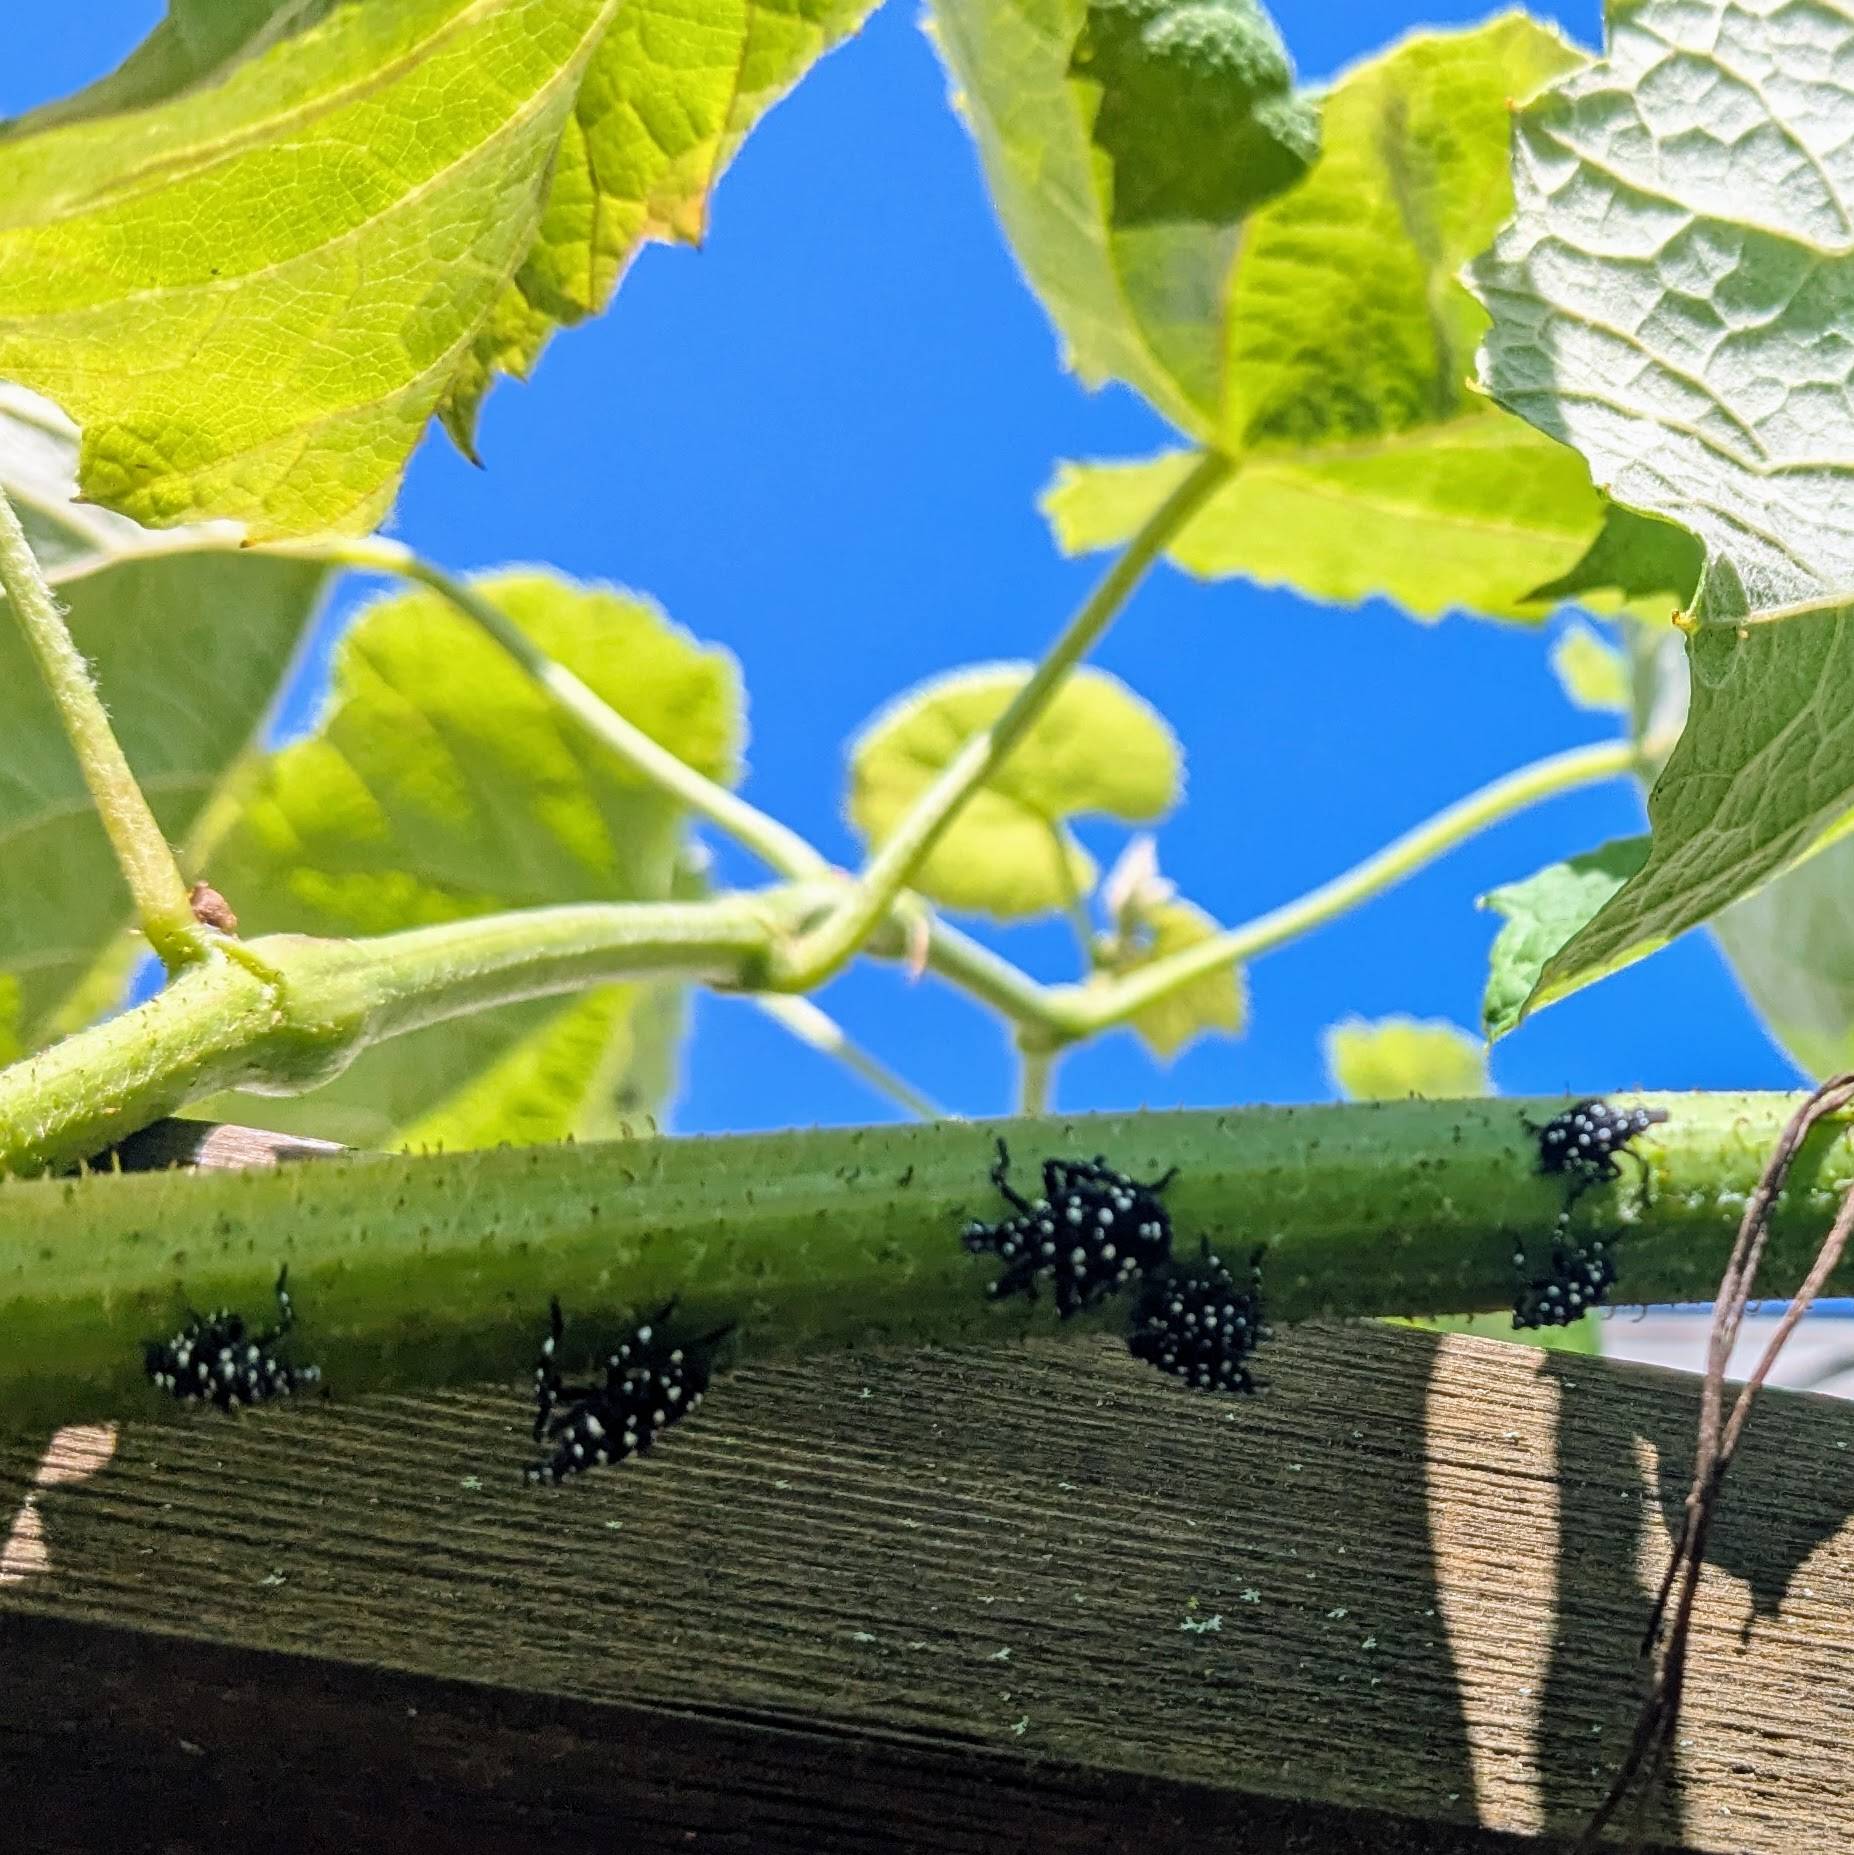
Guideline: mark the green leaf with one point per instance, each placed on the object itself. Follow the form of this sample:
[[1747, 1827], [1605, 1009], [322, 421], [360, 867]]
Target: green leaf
[[1461, 515], [1792, 948], [1591, 671], [442, 783], [1648, 564], [1670, 299], [255, 260], [1124, 143], [1217, 1002], [1367, 465], [148, 611], [666, 102], [1762, 777], [1096, 748], [1541, 914], [1790, 944], [1393, 1059]]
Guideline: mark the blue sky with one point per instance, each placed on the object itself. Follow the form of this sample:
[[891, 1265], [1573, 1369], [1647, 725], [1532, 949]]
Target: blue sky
[[819, 441]]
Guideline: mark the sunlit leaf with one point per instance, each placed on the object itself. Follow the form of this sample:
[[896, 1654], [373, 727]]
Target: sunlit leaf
[[254, 261], [1670, 299], [1540, 915], [1464, 515], [1009, 852], [1124, 143], [1395, 1058], [1590, 670], [1368, 466], [442, 783]]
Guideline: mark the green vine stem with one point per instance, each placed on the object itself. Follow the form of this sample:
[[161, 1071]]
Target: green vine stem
[[432, 1270], [824, 947], [1036, 1078], [232, 1029], [819, 1031], [156, 887], [219, 1025], [1079, 1011], [776, 845], [1053, 1014]]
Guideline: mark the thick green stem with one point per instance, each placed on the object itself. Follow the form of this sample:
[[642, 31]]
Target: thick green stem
[[1080, 1011], [826, 946], [220, 1025], [156, 887], [435, 1269]]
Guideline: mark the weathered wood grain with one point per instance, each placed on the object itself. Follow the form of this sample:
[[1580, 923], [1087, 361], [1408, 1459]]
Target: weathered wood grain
[[1033, 1598]]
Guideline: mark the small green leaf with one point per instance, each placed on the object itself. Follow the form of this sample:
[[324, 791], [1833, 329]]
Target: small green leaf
[[1218, 1001], [1393, 1059], [1590, 670], [1096, 748], [1124, 143], [442, 783], [1541, 914], [148, 611]]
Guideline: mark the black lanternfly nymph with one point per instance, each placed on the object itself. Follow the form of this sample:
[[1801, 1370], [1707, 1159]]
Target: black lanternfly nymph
[[1090, 1233], [1193, 1321], [1584, 1140], [651, 1382], [1580, 1278], [213, 1359]]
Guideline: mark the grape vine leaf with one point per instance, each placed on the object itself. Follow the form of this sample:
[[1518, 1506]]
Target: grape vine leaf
[[147, 610], [1125, 142], [1791, 946], [1149, 922], [441, 783], [1367, 464], [1394, 1058], [1670, 300], [1218, 1001], [255, 261], [1096, 748], [1541, 913], [1590, 670]]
